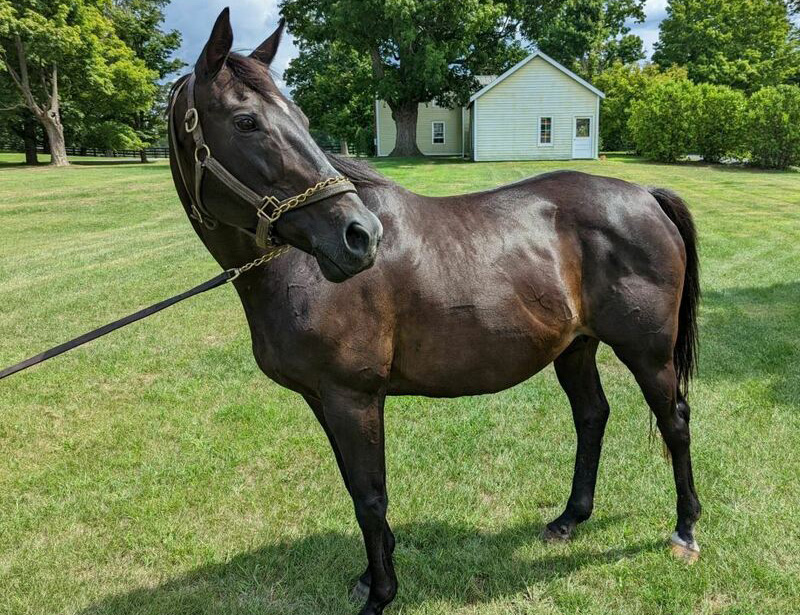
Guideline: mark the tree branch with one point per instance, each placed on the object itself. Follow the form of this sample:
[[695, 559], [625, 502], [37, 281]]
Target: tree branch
[[377, 63], [22, 80], [54, 102]]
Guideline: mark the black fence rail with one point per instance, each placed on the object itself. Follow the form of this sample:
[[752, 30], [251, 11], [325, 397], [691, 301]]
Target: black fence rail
[[330, 146], [150, 152]]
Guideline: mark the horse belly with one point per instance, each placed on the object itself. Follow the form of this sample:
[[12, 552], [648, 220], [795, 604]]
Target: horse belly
[[469, 351]]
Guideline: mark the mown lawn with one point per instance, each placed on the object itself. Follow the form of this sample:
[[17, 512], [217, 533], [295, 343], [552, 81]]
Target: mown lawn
[[157, 471]]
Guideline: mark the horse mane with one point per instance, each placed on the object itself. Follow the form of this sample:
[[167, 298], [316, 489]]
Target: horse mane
[[359, 172]]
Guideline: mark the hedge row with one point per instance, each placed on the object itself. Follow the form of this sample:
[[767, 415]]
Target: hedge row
[[673, 117]]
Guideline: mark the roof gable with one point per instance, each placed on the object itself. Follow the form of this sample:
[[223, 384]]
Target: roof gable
[[546, 58]]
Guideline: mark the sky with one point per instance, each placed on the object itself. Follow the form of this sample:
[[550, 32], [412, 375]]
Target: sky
[[254, 20]]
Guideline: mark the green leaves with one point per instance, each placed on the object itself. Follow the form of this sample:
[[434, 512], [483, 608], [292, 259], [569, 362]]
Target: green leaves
[[745, 44], [773, 126]]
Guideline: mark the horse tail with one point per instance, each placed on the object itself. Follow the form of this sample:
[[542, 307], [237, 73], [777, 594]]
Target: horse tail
[[685, 354]]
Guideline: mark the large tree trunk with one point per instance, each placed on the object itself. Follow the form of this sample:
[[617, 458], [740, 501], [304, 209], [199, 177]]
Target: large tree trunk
[[344, 150], [143, 155], [405, 120], [29, 137], [55, 137]]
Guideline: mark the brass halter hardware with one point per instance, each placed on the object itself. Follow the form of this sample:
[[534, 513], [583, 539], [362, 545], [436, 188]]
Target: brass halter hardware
[[268, 208]]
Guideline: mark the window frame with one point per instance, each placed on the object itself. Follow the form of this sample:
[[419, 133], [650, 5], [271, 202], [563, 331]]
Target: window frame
[[539, 131], [433, 132]]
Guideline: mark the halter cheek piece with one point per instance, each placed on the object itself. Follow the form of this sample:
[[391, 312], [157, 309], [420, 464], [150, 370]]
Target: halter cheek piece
[[268, 208]]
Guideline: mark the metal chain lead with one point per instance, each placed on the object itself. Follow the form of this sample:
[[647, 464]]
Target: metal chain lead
[[281, 207], [261, 260]]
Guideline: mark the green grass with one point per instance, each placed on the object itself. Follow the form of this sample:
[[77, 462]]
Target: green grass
[[157, 471]]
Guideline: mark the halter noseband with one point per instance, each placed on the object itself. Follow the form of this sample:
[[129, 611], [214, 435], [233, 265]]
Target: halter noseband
[[268, 208]]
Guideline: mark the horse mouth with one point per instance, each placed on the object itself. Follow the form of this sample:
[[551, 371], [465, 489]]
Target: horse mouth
[[333, 271]]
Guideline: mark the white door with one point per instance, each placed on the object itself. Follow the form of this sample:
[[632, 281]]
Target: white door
[[582, 146]]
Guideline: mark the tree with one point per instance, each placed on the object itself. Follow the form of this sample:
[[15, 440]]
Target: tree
[[662, 120], [719, 122], [623, 84], [419, 50], [773, 121], [746, 44], [55, 48], [138, 24], [587, 36], [331, 83]]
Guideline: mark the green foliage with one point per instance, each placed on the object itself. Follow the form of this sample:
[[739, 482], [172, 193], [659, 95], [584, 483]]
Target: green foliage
[[662, 122], [98, 75], [622, 85], [773, 126], [745, 44], [331, 83], [419, 50], [719, 122], [138, 24], [588, 35]]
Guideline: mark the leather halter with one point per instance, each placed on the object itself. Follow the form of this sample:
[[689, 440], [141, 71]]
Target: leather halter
[[268, 208]]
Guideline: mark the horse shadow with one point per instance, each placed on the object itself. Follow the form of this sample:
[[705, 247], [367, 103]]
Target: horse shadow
[[752, 334], [435, 560]]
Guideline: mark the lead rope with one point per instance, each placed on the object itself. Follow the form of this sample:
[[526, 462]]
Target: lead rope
[[229, 275]]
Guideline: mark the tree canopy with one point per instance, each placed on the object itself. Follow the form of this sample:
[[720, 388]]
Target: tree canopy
[[746, 44], [586, 36], [54, 49], [419, 50], [331, 83]]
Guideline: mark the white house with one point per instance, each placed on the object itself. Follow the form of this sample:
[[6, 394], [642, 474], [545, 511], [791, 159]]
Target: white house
[[536, 110]]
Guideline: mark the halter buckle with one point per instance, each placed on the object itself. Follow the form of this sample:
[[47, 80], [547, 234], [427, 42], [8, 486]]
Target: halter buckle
[[191, 120]]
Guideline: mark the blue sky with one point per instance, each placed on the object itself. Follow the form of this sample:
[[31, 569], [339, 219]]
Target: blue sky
[[254, 20]]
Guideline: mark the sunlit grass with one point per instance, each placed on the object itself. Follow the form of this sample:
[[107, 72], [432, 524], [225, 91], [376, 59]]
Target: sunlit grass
[[157, 471]]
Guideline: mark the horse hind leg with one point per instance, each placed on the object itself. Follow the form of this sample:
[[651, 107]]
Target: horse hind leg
[[576, 369], [659, 384]]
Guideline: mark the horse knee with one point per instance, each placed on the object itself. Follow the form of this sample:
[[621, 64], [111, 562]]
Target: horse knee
[[371, 507]]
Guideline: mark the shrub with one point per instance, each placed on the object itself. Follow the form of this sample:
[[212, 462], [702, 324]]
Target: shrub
[[719, 122], [662, 120], [773, 127], [622, 85]]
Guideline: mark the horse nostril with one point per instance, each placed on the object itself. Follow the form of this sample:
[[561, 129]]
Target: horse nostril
[[357, 239]]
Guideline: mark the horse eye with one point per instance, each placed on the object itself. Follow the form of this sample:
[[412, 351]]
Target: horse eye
[[245, 123]]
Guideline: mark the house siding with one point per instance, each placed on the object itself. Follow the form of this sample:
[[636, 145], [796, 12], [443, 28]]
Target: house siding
[[427, 113], [507, 126]]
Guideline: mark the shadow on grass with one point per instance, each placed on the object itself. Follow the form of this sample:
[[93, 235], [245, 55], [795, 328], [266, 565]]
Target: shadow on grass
[[752, 334], [434, 561]]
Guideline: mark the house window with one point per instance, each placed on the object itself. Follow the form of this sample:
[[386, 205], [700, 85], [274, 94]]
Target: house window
[[545, 131], [437, 129]]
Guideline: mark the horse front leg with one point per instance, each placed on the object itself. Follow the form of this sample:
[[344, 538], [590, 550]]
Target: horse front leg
[[355, 426], [360, 591]]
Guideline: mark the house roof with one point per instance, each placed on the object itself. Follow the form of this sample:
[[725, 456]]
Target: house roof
[[546, 58]]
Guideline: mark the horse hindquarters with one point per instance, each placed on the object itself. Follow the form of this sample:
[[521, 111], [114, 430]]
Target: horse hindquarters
[[654, 333]]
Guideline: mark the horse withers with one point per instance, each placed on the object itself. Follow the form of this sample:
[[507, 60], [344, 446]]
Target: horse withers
[[466, 295]]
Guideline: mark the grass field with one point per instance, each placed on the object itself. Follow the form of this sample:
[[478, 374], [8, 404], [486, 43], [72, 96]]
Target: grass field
[[157, 471]]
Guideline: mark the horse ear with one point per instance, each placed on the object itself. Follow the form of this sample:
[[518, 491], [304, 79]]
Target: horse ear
[[219, 44], [265, 52]]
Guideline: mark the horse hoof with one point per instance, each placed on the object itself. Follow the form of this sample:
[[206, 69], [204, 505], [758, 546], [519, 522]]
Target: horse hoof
[[360, 592], [553, 536], [688, 552]]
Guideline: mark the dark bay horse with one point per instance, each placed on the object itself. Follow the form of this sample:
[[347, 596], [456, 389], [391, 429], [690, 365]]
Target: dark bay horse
[[465, 295]]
